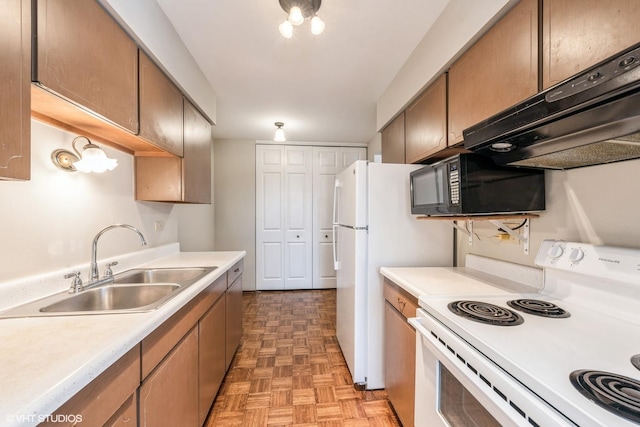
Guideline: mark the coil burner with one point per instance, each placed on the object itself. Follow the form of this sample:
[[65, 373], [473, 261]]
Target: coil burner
[[615, 393], [538, 308], [483, 312]]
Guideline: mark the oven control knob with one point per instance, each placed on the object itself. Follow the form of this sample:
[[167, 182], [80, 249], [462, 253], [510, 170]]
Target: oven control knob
[[576, 255], [555, 251]]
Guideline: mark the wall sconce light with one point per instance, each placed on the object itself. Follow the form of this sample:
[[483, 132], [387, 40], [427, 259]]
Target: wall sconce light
[[279, 136], [91, 159]]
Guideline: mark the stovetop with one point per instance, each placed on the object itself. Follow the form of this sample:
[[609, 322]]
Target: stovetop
[[601, 332]]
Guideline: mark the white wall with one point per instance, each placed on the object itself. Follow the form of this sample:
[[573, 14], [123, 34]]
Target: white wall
[[374, 147], [48, 223], [597, 204], [235, 201]]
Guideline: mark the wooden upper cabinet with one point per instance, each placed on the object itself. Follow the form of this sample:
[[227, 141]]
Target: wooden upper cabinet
[[577, 35], [161, 109], [15, 81], [426, 122], [196, 171], [499, 70], [393, 141], [179, 179], [85, 57]]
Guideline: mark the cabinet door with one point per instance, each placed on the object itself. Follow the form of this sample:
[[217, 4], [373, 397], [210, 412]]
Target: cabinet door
[[233, 315], [169, 395], [393, 141], [426, 122], [84, 56], [211, 362], [15, 82], [400, 356], [576, 36], [196, 164], [161, 109], [498, 71]]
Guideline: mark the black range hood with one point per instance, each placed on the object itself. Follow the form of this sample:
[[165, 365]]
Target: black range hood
[[589, 119]]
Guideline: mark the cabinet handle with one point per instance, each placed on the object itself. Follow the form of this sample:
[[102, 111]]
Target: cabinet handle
[[402, 303], [236, 270]]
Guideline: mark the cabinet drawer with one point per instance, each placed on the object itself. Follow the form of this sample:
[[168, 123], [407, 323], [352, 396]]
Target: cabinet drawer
[[400, 299], [234, 272]]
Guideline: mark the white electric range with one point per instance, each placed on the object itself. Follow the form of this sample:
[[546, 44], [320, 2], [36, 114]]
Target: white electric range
[[495, 363]]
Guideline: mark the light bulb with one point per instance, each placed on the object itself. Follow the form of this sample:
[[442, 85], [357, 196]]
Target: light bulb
[[279, 135], [295, 16], [286, 29], [317, 25]]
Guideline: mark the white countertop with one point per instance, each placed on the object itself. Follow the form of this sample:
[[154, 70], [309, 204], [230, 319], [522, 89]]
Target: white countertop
[[45, 361], [446, 281]]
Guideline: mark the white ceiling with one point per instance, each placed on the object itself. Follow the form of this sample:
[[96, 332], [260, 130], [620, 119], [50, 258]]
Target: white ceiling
[[324, 88]]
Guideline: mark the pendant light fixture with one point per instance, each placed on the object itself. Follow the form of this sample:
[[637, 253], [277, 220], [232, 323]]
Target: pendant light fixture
[[279, 136], [298, 11]]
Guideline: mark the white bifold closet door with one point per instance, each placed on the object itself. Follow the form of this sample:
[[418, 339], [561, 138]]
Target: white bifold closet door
[[284, 219], [327, 163], [294, 214]]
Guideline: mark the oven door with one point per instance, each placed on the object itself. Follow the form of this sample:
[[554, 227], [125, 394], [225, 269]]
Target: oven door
[[458, 386]]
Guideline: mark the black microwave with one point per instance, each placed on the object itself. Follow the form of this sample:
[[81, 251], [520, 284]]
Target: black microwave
[[472, 184]]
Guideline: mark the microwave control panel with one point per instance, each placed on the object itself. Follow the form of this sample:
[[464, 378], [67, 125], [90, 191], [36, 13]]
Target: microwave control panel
[[454, 184]]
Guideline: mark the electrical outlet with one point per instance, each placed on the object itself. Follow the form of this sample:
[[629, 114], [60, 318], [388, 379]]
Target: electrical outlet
[[158, 225]]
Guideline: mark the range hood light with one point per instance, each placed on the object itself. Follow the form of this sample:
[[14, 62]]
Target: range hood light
[[502, 147]]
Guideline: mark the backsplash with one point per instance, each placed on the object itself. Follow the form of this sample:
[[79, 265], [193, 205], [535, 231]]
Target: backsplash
[[597, 205]]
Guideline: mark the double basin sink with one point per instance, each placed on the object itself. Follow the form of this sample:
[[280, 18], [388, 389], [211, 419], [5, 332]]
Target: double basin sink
[[132, 291]]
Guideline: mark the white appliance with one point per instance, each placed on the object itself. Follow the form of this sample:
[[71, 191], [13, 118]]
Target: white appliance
[[565, 355], [373, 227]]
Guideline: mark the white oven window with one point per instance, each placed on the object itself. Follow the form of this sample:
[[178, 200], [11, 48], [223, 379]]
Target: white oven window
[[458, 406]]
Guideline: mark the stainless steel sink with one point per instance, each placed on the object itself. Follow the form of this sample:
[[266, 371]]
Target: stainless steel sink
[[115, 298], [161, 275], [132, 291]]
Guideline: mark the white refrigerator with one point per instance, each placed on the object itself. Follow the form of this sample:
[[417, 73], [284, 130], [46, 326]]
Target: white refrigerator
[[373, 228]]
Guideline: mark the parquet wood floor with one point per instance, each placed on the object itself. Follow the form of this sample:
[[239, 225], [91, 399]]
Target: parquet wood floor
[[289, 370]]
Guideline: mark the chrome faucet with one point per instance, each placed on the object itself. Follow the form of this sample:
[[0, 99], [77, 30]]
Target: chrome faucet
[[94, 274]]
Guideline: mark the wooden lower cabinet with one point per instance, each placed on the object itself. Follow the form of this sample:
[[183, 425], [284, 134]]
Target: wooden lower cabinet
[[127, 415], [211, 361], [109, 400], [169, 396], [172, 377], [400, 352], [233, 323]]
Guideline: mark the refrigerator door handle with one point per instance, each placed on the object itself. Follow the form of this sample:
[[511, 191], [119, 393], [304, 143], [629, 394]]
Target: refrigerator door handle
[[334, 245], [335, 202]]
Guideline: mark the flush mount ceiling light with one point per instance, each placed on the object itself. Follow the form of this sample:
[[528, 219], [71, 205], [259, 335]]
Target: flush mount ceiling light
[[298, 11], [279, 136], [91, 159]]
